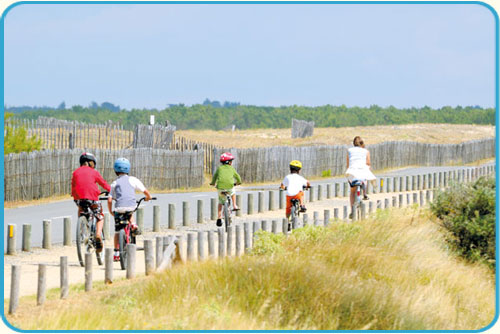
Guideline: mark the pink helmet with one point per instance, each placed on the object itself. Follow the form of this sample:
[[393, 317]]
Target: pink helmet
[[226, 157]]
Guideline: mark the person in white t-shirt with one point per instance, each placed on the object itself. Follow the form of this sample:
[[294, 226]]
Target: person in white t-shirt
[[123, 191], [358, 166], [294, 183]]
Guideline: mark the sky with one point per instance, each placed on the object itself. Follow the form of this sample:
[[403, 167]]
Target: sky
[[149, 56]]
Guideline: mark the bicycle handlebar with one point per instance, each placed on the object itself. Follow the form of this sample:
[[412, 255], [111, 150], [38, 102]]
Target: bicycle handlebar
[[142, 199]]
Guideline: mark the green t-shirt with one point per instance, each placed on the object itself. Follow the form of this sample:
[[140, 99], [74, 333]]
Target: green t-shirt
[[225, 177]]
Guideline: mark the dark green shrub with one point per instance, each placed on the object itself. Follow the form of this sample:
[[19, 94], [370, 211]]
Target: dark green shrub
[[468, 212]]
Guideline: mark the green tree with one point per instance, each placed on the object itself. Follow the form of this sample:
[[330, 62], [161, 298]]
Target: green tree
[[16, 140]]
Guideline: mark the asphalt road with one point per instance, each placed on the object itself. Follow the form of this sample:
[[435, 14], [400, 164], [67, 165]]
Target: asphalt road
[[35, 214]]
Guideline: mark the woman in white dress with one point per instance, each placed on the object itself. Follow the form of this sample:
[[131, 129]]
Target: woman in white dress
[[358, 165]]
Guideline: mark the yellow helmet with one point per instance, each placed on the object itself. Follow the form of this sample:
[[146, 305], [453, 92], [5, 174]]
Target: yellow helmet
[[296, 163]]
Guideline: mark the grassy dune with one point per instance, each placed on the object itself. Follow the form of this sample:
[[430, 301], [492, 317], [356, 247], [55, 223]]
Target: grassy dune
[[391, 272]]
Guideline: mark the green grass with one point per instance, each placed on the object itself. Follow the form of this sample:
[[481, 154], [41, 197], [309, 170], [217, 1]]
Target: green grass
[[391, 272]]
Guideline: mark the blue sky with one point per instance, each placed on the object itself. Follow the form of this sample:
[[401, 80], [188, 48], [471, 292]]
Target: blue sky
[[149, 56]]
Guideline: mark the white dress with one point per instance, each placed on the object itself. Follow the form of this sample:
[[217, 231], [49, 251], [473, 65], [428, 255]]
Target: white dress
[[358, 169]]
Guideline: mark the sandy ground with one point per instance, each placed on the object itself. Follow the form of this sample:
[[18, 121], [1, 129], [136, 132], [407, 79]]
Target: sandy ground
[[29, 261], [424, 133]]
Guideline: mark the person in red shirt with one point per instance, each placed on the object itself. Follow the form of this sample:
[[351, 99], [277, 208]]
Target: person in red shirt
[[84, 187]]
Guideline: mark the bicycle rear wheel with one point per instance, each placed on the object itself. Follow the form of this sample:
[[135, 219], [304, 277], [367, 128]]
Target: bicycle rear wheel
[[226, 214], [82, 237], [123, 241]]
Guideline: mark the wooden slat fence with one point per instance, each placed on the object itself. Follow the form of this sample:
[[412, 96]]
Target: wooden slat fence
[[41, 174], [272, 163]]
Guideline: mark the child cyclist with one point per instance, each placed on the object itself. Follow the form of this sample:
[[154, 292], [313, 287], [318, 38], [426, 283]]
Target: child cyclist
[[84, 188], [123, 191], [294, 183], [224, 179]]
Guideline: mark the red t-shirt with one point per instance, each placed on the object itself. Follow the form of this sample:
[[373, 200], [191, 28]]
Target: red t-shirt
[[83, 183]]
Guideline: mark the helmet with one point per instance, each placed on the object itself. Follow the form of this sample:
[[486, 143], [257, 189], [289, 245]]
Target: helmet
[[122, 165], [226, 157], [296, 164], [85, 157]]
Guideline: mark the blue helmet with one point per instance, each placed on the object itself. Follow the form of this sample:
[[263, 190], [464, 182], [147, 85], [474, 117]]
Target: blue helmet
[[122, 165]]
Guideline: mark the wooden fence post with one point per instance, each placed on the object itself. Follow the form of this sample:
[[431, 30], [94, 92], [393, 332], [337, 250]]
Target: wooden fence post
[[67, 231], [148, 257], [222, 242], [131, 254], [260, 201], [201, 245], [63, 271], [46, 242], [42, 284], [156, 218], [15, 280], [171, 216], [88, 272], [108, 265], [199, 216], [250, 204], [11, 239], [26, 237], [140, 218], [185, 213]]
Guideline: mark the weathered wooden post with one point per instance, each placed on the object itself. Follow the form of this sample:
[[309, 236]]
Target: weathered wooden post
[[230, 236], [415, 198], [428, 195], [422, 199], [250, 204], [26, 237], [320, 192], [362, 210], [408, 183], [238, 203], [275, 226], [388, 184], [260, 201], [156, 218], [337, 190], [328, 191], [159, 251], [199, 207], [148, 257], [185, 213], [46, 242], [190, 247], [400, 200], [211, 243], [67, 230], [63, 271], [256, 227], [11, 239], [131, 253], [387, 203], [345, 212], [171, 216], [272, 201], [354, 214], [108, 265], [326, 217], [237, 239], [248, 237], [88, 272], [285, 226], [408, 199], [15, 280], [140, 218], [281, 199], [222, 242], [394, 201], [311, 194], [316, 218], [201, 246], [305, 219], [42, 284], [335, 213], [371, 206], [346, 189], [213, 208]]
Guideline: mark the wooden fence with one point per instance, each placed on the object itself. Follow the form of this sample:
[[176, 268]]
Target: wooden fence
[[268, 164], [41, 174], [62, 134]]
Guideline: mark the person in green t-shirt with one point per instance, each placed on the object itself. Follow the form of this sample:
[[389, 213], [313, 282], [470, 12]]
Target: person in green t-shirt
[[224, 179]]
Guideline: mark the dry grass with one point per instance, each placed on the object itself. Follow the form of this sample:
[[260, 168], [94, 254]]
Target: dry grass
[[425, 133], [391, 272]]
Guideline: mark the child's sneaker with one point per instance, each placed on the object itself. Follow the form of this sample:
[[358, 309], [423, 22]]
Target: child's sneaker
[[219, 222], [365, 198], [303, 208], [116, 256], [98, 245]]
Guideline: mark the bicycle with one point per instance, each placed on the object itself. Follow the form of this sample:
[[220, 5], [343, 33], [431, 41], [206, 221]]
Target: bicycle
[[86, 230], [356, 207], [227, 205], [126, 235], [295, 210]]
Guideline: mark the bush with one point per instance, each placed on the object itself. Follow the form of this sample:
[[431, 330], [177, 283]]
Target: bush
[[468, 212], [16, 140]]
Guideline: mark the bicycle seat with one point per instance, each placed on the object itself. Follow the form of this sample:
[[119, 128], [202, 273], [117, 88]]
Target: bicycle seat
[[293, 201], [122, 216], [356, 182]]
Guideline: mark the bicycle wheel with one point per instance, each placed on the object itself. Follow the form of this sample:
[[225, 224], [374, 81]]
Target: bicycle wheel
[[226, 214], [82, 237], [122, 241]]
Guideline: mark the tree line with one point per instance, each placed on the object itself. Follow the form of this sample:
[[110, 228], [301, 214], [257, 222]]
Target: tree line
[[211, 116]]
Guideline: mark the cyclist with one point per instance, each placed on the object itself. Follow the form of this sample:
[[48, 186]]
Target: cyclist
[[224, 179], [123, 191], [84, 188], [294, 183], [358, 166]]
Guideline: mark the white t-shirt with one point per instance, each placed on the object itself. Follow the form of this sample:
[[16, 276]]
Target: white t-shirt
[[294, 183], [357, 157], [135, 183]]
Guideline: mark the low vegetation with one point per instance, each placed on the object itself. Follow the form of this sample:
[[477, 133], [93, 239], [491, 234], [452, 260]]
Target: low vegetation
[[16, 139], [467, 211], [391, 272]]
